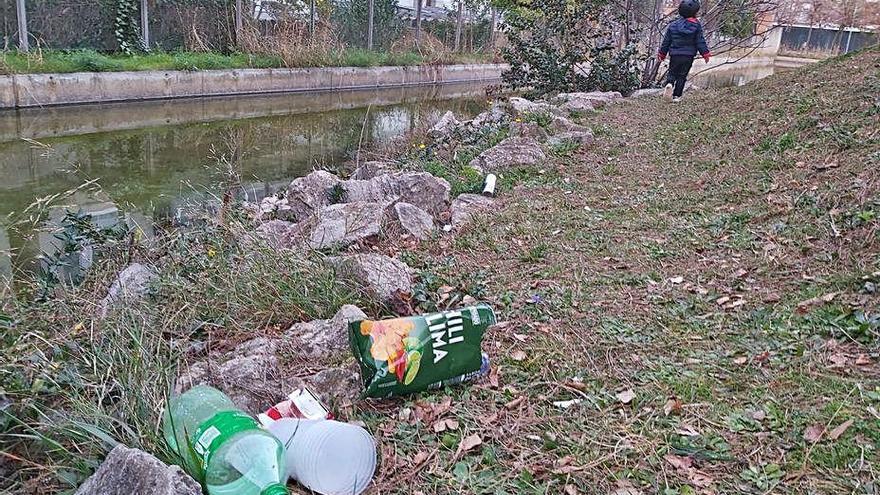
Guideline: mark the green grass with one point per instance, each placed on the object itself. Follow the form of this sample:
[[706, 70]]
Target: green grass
[[62, 61]]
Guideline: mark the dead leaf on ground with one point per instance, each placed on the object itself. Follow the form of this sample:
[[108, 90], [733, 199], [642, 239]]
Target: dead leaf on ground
[[838, 360], [570, 490], [741, 360], [840, 430], [680, 463], [515, 402], [420, 457], [825, 166], [814, 433], [493, 377], [518, 355], [444, 425], [772, 297], [676, 280], [673, 405], [626, 396], [759, 415], [469, 443], [721, 301], [804, 307], [863, 360], [487, 420]]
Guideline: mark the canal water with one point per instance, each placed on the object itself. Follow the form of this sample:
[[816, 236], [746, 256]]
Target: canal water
[[152, 158]]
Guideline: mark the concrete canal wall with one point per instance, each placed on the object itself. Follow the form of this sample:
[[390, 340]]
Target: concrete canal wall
[[41, 90]]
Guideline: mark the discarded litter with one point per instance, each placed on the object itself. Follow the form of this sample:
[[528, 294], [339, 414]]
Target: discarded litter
[[405, 355], [222, 447], [327, 456], [301, 403], [489, 187]]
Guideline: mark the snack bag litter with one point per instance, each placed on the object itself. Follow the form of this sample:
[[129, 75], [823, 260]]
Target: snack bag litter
[[405, 355]]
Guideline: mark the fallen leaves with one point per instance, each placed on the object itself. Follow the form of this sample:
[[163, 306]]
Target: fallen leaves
[[515, 402], [840, 430], [684, 467], [518, 355], [673, 405], [468, 444], [808, 305], [626, 396], [444, 425], [813, 433]]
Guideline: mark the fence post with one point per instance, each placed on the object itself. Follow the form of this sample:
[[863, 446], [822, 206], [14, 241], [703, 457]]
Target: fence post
[[848, 42], [458, 25], [22, 26], [418, 5], [492, 24], [239, 22], [370, 8], [145, 25], [312, 17]]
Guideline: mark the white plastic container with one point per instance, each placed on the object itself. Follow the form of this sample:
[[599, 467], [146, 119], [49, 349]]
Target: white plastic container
[[326, 456]]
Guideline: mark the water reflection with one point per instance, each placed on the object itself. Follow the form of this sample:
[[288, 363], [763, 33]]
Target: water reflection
[[156, 173]]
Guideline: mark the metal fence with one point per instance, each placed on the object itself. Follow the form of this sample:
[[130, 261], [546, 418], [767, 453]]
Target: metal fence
[[212, 25], [824, 41]]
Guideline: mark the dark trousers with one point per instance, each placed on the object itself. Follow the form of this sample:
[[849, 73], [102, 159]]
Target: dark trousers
[[679, 67]]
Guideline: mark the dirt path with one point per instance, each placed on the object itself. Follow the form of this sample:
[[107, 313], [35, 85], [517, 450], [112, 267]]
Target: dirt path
[[690, 306]]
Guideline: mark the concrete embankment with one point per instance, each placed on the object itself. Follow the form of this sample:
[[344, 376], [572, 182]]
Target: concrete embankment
[[39, 90]]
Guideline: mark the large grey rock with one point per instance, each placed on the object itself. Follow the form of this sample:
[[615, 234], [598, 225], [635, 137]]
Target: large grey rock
[[562, 124], [511, 152], [132, 283], [278, 233], [596, 99], [466, 206], [447, 124], [368, 170], [495, 115], [381, 276], [640, 93], [340, 225], [419, 188], [260, 372], [128, 471], [578, 105], [528, 130], [412, 220], [579, 137], [521, 106], [321, 339], [308, 194]]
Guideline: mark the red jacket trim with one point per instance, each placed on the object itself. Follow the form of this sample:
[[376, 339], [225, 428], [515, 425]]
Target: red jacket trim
[[693, 19]]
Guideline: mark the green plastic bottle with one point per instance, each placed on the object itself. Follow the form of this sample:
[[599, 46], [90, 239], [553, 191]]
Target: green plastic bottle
[[222, 447]]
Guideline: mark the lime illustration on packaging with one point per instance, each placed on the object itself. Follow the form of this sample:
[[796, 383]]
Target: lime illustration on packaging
[[406, 355]]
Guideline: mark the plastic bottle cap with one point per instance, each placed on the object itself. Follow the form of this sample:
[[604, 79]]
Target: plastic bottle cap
[[275, 489]]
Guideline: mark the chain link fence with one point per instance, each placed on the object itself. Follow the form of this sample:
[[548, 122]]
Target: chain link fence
[[210, 25]]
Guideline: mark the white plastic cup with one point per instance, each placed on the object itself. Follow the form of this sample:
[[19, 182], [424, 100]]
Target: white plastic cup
[[326, 456]]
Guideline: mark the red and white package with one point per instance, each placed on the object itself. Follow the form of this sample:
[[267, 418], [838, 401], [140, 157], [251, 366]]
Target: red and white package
[[301, 403]]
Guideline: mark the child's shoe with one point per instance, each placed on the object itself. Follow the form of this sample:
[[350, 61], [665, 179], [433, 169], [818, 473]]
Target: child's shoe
[[667, 92], [677, 99]]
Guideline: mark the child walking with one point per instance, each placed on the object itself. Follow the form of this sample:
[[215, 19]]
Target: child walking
[[683, 39]]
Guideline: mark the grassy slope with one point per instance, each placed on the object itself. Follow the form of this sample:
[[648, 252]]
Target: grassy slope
[[670, 259]]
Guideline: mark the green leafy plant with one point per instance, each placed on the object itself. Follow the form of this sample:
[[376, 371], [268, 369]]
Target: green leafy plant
[[126, 28]]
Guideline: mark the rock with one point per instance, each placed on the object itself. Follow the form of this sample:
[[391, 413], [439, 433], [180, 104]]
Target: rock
[[128, 471], [368, 170], [495, 115], [597, 99], [418, 188], [381, 276], [413, 220], [640, 93], [578, 137], [278, 233], [321, 339], [466, 206], [273, 206], [309, 194], [132, 283], [521, 106], [447, 124], [260, 372], [578, 105], [339, 225], [512, 152], [562, 124], [528, 130]]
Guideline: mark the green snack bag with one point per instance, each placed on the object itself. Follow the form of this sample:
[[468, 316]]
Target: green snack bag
[[405, 355]]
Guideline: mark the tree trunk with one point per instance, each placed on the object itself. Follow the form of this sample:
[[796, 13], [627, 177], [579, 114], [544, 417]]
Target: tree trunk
[[418, 5], [370, 10], [145, 25], [23, 45], [458, 25], [239, 22], [492, 28]]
